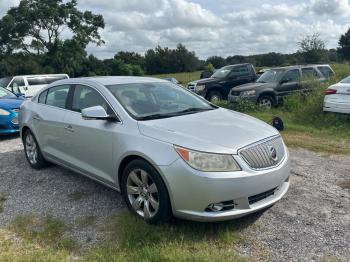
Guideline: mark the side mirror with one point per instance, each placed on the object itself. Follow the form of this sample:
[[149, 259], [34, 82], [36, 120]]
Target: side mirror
[[20, 95], [96, 113], [283, 81]]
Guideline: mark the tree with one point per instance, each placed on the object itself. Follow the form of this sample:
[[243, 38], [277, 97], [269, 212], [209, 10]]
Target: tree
[[344, 45], [36, 26], [216, 61], [131, 58], [312, 49]]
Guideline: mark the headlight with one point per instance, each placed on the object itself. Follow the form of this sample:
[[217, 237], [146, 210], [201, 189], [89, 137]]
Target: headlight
[[208, 162], [4, 112], [200, 88], [248, 93]]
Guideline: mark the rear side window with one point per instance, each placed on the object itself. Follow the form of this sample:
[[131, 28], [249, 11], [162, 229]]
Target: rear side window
[[34, 81], [42, 97], [309, 72], [57, 96], [326, 71]]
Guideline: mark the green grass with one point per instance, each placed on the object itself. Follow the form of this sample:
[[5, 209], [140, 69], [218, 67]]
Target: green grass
[[127, 238], [3, 198], [76, 196], [131, 239], [86, 221], [183, 78], [46, 231]]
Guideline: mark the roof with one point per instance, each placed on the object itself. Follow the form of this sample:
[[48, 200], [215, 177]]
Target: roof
[[298, 66], [116, 80], [40, 75]]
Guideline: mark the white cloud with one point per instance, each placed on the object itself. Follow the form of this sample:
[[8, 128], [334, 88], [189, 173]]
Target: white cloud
[[330, 7], [225, 27]]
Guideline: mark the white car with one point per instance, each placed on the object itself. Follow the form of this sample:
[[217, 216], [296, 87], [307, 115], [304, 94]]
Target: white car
[[29, 85], [337, 98]]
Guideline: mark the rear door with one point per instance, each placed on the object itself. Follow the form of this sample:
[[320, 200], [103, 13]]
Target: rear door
[[308, 76], [48, 122], [90, 141]]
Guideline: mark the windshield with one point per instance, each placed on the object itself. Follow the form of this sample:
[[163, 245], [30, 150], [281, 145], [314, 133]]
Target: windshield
[[346, 80], [271, 76], [222, 72], [146, 101], [6, 94], [5, 81]]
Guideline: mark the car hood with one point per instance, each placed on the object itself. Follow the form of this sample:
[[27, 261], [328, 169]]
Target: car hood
[[204, 81], [10, 103], [255, 85], [219, 131]]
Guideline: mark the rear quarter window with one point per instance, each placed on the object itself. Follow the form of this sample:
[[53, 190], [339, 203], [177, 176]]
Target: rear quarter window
[[326, 71], [42, 97]]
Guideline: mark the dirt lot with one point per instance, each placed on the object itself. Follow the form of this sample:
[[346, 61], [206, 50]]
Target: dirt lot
[[312, 222]]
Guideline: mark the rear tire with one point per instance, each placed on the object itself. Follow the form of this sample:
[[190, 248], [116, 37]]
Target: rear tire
[[145, 192], [214, 96], [32, 151]]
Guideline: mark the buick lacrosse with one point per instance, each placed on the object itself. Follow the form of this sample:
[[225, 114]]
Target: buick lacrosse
[[167, 150]]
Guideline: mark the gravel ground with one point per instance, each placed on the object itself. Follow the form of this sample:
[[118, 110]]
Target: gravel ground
[[312, 222]]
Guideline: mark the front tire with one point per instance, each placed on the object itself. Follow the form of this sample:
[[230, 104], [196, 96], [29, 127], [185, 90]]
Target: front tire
[[214, 96], [266, 102], [32, 151], [144, 192]]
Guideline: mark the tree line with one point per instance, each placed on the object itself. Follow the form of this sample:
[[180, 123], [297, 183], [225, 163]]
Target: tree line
[[32, 42]]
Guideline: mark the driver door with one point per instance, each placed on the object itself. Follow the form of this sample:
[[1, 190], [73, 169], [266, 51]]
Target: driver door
[[289, 83], [90, 142]]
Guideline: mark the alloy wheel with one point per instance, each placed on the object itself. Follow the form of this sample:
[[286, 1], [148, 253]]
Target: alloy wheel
[[265, 103], [31, 149], [142, 193]]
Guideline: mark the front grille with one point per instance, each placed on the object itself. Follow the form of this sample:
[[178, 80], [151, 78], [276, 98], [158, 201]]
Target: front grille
[[266, 154], [261, 196], [3, 127]]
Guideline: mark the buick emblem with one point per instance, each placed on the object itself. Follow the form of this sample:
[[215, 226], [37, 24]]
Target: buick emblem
[[273, 154]]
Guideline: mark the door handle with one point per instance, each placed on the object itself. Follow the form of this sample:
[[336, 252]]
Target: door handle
[[69, 128], [36, 117]]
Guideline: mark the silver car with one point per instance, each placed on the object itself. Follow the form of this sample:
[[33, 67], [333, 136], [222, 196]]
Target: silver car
[[167, 150]]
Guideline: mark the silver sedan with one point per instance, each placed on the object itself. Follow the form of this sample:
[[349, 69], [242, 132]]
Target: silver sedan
[[167, 150]]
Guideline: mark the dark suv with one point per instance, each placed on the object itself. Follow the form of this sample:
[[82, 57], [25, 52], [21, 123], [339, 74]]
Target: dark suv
[[219, 84], [275, 83]]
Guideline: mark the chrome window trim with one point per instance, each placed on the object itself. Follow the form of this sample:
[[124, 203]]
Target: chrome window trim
[[36, 98]]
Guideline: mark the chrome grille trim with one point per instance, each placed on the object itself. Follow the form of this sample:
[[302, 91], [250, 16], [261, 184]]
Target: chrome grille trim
[[258, 155]]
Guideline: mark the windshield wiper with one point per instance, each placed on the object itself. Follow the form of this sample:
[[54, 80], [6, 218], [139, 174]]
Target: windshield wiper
[[178, 113]]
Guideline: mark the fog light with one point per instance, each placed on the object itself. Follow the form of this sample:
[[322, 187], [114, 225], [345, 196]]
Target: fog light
[[216, 207]]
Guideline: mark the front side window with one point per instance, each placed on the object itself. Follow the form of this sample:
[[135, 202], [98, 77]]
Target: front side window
[[146, 101], [292, 76], [57, 96], [17, 82], [222, 72], [271, 76], [85, 97]]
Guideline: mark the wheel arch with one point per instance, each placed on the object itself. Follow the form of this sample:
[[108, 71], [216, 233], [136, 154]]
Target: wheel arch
[[269, 93]]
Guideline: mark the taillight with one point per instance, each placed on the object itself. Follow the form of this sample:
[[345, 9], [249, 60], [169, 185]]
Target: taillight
[[331, 91]]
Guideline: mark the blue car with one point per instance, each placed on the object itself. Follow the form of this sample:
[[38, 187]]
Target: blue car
[[9, 108]]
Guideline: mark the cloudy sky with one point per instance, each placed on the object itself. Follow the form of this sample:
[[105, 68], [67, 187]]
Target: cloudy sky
[[214, 27]]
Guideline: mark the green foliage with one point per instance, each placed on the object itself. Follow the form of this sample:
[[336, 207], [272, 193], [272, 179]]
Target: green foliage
[[166, 60], [216, 61], [344, 45], [131, 239], [35, 26], [312, 49], [209, 67]]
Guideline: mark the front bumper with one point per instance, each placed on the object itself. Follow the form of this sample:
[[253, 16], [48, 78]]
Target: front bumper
[[9, 124], [191, 191]]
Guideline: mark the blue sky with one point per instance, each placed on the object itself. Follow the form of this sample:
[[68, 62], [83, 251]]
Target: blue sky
[[214, 27]]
